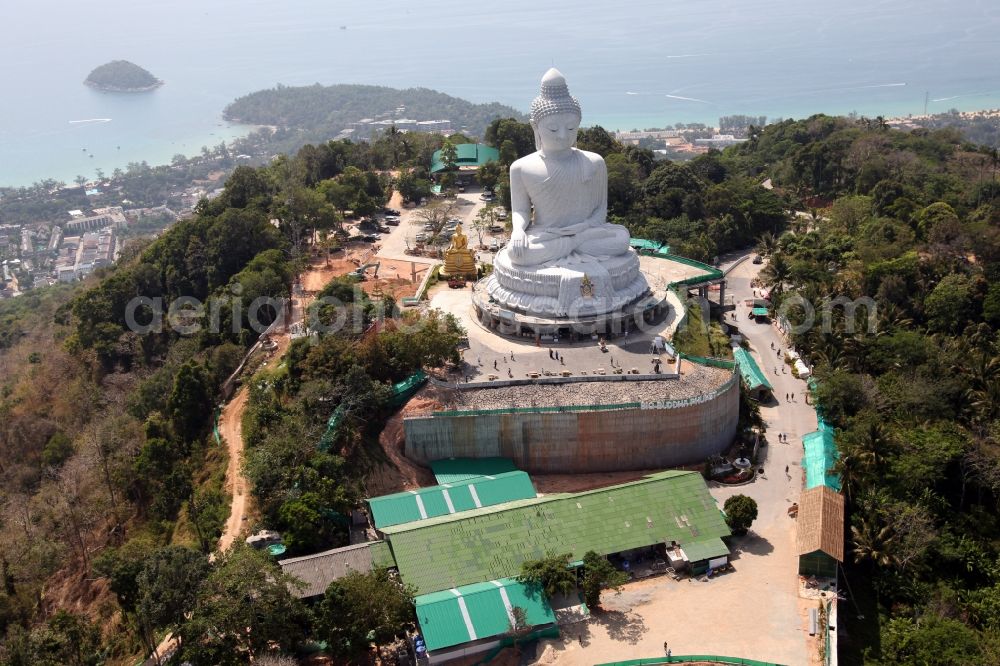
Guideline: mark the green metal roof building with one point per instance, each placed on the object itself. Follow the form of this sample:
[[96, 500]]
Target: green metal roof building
[[492, 542], [705, 550], [452, 470], [470, 156], [753, 376], [474, 612], [450, 498]]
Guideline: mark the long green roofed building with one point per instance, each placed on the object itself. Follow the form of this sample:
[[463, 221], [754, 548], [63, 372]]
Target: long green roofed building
[[492, 542], [449, 498]]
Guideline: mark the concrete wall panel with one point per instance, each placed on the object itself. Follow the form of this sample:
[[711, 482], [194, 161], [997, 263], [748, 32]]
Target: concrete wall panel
[[584, 440]]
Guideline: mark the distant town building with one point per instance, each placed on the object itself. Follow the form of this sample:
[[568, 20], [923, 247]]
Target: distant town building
[[635, 137], [79, 256], [368, 126], [719, 141], [102, 217]]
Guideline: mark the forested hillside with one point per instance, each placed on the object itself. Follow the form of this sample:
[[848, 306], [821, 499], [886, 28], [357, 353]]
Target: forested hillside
[[110, 477], [325, 110], [912, 382]]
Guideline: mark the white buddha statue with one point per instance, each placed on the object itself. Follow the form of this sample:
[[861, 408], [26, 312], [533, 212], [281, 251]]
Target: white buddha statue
[[566, 187], [564, 258]]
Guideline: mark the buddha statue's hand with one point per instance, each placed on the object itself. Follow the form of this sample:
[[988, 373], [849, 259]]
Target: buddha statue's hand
[[518, 242]]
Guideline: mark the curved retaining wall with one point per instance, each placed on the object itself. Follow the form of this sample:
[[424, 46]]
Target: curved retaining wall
[[584, 439]]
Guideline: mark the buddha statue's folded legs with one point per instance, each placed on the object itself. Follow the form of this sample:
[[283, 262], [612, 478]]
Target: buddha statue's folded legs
[[605, 241], [546, 248]]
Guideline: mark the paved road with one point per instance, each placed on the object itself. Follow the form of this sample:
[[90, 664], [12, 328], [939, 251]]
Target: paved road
[[776, 490]]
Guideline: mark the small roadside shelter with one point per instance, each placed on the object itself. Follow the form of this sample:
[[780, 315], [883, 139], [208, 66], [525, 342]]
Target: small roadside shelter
[[820, 540]]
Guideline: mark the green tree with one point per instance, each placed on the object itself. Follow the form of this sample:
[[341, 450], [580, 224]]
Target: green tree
[[488, 175], [167, 588], [189, 404], [57, 450], [412, 187], [551, 573], [364, 608], [449, 155], [777, 272], [71, 639], [599, 574], [485, 219], [517, 626], [740, 512], [243, 608], [951, 304], [929, 641], [520, 136], [508, 153]]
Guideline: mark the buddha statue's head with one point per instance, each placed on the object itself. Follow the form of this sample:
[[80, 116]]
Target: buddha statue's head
[[555, 115]]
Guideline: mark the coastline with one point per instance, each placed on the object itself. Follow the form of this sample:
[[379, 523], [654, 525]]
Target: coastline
[[116, 89], [622, 125]]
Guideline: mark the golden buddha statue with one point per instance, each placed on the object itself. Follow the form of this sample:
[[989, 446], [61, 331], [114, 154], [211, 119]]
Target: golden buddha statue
[[459, 260]]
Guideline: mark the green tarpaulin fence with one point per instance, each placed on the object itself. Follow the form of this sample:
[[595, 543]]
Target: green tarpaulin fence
[[401, 392], [751, 372], [704, 360], [818, 460], [820, 451]]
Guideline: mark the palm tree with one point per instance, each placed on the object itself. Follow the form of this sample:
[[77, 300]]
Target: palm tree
[[872, 543], [852, 472], [766, 243], [870, 443], [985, 401], [776, 273]]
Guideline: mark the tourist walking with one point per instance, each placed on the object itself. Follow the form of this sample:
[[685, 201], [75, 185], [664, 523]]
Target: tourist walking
[[495, 364], [550, 353]]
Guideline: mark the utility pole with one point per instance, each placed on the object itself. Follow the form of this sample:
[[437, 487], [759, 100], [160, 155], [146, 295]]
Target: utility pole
[[927, 97]]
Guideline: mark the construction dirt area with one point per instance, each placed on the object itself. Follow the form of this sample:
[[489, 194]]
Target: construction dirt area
[[393, 277]]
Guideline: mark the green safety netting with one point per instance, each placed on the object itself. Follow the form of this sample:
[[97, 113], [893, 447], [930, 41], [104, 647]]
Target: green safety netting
[[819, 457], [645, 244], [749, 370], [401, 392]]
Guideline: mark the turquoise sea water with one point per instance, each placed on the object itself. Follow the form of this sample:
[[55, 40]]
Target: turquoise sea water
[[631, 64]]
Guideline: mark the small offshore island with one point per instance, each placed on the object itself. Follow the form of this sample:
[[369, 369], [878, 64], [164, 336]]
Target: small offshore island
[[122, 76]]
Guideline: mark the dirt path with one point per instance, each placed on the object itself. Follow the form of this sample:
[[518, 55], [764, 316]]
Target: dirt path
[[230, 427]]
